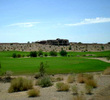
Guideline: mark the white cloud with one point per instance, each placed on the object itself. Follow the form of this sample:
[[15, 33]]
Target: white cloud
[[27, 24], [90, 21]]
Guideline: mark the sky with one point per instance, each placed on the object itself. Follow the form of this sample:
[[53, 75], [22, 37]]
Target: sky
[[86, 21]]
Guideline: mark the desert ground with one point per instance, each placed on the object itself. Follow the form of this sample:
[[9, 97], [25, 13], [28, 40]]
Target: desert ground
[[102, 92]]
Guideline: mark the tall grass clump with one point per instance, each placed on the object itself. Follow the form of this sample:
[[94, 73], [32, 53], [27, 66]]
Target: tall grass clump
[[74, 89], [88, 89], [80, 78], [62, 86], [70, 79], [92, 83], [20, 84], [34, 92], [59, 78]]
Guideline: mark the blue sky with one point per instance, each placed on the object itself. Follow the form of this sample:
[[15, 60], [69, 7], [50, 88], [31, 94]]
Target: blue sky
[[86, 21]]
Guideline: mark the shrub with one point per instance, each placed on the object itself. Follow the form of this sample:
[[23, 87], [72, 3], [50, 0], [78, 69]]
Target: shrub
[[88, 89], [20, 84], [45, 54], [107, 71], [63, 53], [108, 57], [91, 82], [40, 53], [23, 55], [18, 55], [14, 55], [62, 86], [33, 54], [34, 92], [79, 98], [53, 53], [74, 89], [37, 75], [53, 79], [45, 82], [70, 79], [59, 78], [88, 77], [80, 78], [8, 73]]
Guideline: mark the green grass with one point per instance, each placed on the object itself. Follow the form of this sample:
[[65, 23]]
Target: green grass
[[95, 54], [56, 64]]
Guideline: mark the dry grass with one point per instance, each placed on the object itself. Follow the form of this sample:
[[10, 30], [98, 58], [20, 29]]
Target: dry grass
[[88, 89], [80, 78], [53, 79], [62, 86], [70, 79], [79, 98], [91, 82], [33, 92], [20, 84], [74, 89], [88, 76], [107, 71], [59, 78]]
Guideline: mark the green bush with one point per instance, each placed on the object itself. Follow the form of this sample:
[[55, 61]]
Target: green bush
[[53, 53], [62, 86], [63, 53], [108, 57], [34, 93], [14, 55], [20, 84], [18, 55], [45, 54], [40, 53], [33, 54], [45, 82]]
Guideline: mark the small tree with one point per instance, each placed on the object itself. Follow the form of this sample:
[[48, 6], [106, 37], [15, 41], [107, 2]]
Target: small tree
[[63, 53], [14, 55], [42, 68], [53, 53]]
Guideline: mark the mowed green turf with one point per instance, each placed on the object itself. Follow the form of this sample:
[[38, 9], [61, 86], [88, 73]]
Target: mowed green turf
[[56, 64]]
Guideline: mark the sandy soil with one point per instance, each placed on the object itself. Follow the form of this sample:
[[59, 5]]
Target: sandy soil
[[50, 93]]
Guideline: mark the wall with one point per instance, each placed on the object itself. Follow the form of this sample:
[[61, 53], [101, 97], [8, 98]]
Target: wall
[[35, 47]]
